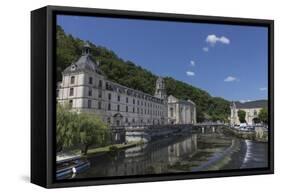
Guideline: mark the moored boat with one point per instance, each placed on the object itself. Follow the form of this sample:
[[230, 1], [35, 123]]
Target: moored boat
[[70, 165]]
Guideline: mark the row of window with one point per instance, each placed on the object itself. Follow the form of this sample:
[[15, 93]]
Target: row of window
[[100, 85], [134, 110], [138, 110], [90, 93], [90, 81], [133, 121]]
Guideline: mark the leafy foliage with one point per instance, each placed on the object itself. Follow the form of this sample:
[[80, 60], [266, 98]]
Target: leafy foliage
[[263, 115], [241, 116], [79, 129], [131, 75], [92, 131]]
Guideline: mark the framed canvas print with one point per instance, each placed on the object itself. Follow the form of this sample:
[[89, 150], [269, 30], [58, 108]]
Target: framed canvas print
[[125, 96]]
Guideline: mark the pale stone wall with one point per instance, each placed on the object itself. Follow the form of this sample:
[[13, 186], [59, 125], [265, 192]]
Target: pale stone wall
[[134, 110], [180, 111]]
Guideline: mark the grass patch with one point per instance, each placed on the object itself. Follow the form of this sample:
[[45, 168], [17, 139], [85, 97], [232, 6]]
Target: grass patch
[[111, 148]]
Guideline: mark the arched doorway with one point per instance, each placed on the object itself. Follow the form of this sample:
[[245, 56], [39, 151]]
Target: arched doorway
[[117, 119]]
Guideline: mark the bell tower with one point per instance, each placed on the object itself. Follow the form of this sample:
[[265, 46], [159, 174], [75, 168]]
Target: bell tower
[[160, 91], [86, 49]]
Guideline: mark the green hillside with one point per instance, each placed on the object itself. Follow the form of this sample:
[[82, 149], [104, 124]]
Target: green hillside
[[131, 75]]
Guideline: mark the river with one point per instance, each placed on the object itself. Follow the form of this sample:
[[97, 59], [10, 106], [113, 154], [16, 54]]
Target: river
[[189, 152]]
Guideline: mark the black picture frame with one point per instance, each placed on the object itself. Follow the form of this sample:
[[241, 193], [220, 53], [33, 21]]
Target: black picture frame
[[43, 100]]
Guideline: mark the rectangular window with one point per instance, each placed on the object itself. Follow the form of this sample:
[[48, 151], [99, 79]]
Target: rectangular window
[[133, 101], [109, 107], [100, 93], [100, 83], [109, 96], [118, 98], [99, 105], [89, 104], [118, 107], [90, 92], [72, 79], [171, 112], [71, 91], [127, 100], [90, 80], [126, 108]]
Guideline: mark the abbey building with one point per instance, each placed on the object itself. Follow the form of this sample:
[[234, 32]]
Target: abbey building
[[86, 89]]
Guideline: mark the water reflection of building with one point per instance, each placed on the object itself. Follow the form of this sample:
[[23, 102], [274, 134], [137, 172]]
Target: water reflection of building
[[251, 109], [181, 111], [176, 151], [154, 158]]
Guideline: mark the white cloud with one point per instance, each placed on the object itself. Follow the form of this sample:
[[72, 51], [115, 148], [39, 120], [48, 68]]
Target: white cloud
[[230, 79], [205, 49], [192, 63], [243, 101], [190, 73], [212, 39], [263, 89]]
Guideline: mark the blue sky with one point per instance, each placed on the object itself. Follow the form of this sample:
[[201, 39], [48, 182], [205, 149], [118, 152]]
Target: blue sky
[[225, 60]]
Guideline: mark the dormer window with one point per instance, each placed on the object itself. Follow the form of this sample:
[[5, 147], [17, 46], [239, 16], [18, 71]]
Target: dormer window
[[73, 67]]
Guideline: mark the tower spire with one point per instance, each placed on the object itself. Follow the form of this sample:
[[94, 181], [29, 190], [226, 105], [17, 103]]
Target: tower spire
[[86, 49], [160, 90]]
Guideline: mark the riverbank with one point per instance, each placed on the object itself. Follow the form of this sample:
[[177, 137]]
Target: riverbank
[[111, 148], [258, 136]]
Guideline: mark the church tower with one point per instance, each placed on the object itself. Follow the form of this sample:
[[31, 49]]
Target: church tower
[[160, 91]]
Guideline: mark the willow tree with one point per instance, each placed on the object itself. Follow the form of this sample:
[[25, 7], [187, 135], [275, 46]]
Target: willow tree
[[79, 129], [67, 131], [92, 131]]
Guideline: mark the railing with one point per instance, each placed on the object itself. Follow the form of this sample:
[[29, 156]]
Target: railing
[[146, 126]]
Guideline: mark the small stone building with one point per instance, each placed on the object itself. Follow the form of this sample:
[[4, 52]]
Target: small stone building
[[252, 110]]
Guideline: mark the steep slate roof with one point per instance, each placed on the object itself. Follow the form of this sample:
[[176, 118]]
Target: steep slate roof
[[252, 104], [85, 62], [173, 99]]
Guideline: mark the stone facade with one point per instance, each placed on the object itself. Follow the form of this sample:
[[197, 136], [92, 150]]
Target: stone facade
[[252, 110], [86, 89], [181, 111]]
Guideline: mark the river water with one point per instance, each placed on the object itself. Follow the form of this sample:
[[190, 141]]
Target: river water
[[189, 152]]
